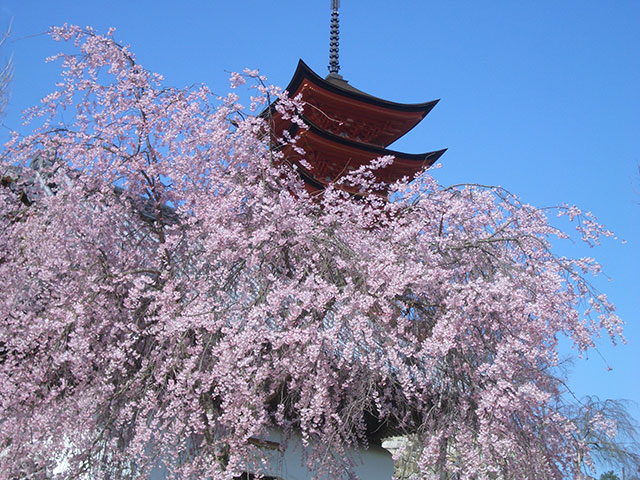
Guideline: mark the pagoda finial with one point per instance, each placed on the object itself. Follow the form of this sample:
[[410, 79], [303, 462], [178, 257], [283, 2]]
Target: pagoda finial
[[334, 65]]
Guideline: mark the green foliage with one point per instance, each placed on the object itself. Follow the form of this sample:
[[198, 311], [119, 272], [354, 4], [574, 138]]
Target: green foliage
[[609, 476]]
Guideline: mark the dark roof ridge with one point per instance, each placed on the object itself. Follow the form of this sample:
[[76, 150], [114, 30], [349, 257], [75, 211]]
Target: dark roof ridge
[[381, 151], [342, 87]]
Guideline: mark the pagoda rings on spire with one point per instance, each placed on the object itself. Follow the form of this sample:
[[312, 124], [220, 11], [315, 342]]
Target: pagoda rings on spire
[[334, 39]]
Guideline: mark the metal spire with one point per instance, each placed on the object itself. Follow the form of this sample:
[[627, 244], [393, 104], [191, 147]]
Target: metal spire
[[334, 65]]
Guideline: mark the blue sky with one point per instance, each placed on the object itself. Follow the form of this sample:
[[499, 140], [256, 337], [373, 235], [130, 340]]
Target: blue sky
[[541, 97]]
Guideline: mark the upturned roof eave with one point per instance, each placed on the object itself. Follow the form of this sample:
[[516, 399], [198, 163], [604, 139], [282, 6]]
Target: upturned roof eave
[[432, 157], [304, 71]]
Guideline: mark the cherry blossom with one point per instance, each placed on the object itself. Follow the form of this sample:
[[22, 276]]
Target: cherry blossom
[[171, 291]]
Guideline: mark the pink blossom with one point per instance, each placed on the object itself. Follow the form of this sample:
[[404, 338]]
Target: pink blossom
[[170, 291]]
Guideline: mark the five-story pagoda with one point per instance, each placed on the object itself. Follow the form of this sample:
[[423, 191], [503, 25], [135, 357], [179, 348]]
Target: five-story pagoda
[[347, 127]]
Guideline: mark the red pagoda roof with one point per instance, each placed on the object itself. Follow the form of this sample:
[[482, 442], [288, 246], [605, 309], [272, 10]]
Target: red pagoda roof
[[336, 106], [347, 129], [332, 156]]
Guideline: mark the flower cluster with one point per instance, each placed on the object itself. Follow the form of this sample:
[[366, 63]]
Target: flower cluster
[[180, 293]]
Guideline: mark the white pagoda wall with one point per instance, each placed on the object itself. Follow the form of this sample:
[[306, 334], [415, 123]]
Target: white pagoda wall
[[374, 463]]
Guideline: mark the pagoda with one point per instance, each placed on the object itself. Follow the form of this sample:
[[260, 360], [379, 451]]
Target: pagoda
[[347, 128]]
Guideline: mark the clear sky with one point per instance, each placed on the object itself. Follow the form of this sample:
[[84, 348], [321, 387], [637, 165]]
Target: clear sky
[[540, 97]]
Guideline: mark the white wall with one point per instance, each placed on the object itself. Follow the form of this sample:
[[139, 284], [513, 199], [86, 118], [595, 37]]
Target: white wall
[[374, 463]]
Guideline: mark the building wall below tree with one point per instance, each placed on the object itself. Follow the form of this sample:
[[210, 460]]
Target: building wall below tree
[[374, 463]]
